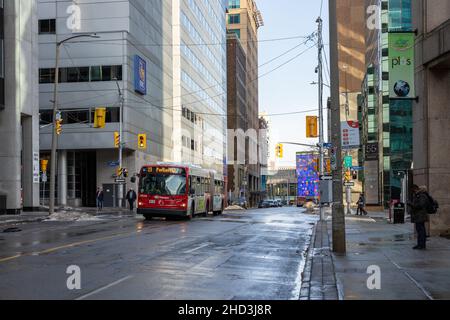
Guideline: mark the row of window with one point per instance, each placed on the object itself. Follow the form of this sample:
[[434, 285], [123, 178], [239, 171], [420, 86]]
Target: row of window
[[194, 87], [190, 55], [190, 143], [201, 18], [193, 117], [197, 38], [81, 74], [47, 26], [79, 116]]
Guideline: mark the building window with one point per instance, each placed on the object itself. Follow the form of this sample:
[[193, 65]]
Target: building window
[[47, 26], [234, 19], [237, 32], [234, 4], [81, 74]]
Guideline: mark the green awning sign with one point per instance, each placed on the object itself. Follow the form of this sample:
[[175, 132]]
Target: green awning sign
[[401, 66]]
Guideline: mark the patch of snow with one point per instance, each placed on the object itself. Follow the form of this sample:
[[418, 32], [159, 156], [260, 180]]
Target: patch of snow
[[234, 207], [68, 216]]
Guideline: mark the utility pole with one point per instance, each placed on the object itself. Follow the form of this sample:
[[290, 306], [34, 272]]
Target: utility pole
[[121, 141], [338, 221], [321, 132], [55, 113]]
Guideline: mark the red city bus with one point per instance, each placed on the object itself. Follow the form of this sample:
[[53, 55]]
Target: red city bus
[[169, 191]]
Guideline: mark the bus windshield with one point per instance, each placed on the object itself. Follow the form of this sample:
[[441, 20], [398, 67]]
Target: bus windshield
[[163, 184]]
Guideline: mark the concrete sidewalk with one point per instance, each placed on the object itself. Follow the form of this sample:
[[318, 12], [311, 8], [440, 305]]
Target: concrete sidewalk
[[406, 274], [39, 216]]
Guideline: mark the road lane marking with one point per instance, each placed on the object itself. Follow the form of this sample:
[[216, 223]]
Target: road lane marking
[[198, 248], [67, 246], [104, 288], [10, 258]]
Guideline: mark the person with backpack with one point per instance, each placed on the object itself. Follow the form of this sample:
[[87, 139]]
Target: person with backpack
[[422, 205]]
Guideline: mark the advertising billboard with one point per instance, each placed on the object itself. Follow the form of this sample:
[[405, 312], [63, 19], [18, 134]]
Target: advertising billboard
[[140, 75], [401, 66], [350, 135], [308, 176]]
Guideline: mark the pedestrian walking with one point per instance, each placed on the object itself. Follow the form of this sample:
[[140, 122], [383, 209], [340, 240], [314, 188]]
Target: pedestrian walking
[[421, 206], [131, 197], [100, 198], [361, 205]]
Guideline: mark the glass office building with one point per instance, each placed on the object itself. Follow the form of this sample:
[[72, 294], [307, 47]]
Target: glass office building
[[386, 122]]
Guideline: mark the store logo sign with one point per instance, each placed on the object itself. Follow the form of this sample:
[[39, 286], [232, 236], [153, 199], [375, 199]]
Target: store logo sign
[[140, 75]]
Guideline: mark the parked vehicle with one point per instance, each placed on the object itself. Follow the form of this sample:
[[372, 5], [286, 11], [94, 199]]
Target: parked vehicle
[[241, 202], [264, 204]]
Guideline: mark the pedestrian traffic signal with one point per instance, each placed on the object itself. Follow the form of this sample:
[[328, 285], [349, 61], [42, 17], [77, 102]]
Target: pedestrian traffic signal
[[44, 165], [355, 175], [125, 173], [142, 141], [116, 140], [100, 118], [58, 127], [279, 151], [312, 125]]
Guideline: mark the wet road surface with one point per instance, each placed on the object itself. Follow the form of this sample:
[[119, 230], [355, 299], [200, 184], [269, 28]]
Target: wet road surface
[[251, 255]]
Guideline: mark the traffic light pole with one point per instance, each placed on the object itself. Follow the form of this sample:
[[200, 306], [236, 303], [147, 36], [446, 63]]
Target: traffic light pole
[[121, 140], [321, 132]]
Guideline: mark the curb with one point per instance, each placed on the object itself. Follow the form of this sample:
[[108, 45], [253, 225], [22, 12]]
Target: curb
[[306, 276]]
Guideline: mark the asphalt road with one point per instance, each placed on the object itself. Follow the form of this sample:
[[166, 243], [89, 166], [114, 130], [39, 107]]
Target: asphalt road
[[251, 255]]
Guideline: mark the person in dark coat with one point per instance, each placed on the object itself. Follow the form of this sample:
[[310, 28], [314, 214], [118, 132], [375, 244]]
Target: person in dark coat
[[131, 197], [419, 215], [361, 205], [99, 196]]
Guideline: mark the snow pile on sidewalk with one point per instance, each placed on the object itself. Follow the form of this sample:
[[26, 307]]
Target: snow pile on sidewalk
[[234, 207], [71, 216]]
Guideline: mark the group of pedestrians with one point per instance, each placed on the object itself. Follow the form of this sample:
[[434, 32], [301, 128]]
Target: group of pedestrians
[[131, 197]]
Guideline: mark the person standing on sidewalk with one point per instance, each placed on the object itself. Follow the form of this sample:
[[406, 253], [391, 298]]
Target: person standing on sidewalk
[[361, 205], [131, 197], [100, 197], [419, 215]]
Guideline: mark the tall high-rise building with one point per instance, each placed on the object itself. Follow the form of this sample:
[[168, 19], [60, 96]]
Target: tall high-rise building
[[19, 111], [431, 118], [351, 61], [387, 120], [167, 57], [132, 53], [244, 19], [199, 82]]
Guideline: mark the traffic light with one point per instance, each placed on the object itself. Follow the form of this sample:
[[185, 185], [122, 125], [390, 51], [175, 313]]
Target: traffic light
[[142, 141], [100, 118], [44, 165], [328, 164], [279, 151], [58, 127], [119, 172], [312, 125], [316, 164], [116, 140], [348, 176]]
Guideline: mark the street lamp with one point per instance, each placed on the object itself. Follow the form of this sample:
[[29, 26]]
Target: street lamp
[[122, 100], [55, 112]]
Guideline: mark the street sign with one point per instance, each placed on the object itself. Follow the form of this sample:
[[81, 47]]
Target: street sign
[[349, 184], [328, 145], [348, 161], [325, 178], [350, 135], [357, 168], [44, 177], [121, 181], [113, 164]]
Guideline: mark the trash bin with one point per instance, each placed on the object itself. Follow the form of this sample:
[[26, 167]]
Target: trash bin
[[399, 213]]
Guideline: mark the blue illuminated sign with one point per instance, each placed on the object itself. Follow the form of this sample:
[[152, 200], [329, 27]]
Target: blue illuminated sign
[[308, 177], [140, 75]]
